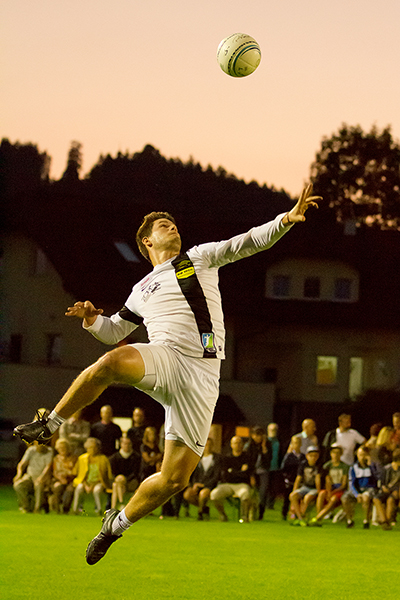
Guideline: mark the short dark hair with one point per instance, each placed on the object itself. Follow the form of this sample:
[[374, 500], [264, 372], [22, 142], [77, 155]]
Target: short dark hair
[[147, 227]]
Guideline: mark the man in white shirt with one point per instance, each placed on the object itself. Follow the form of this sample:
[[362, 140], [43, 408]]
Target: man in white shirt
[[179, 303], [346, 437]]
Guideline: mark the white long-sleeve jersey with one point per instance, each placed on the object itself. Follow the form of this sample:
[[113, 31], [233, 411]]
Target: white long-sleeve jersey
[[179, 302]]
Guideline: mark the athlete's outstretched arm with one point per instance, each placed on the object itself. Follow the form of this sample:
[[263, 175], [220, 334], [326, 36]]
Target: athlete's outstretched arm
[[84, 310], [109, 330]]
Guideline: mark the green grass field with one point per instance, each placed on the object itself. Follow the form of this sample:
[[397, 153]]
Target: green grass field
[[42, 557]]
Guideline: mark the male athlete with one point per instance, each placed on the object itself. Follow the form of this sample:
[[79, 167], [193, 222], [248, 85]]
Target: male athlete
[[179, 303]]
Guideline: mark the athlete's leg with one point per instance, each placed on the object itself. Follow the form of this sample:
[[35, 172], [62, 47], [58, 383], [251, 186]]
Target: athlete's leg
[[178, 464], [122, 365]]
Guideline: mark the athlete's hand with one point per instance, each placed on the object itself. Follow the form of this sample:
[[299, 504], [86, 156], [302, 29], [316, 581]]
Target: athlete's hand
[[84, 310], [296, 215]]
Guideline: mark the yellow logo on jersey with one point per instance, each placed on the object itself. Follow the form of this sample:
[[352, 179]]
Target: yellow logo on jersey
[[188, 272]]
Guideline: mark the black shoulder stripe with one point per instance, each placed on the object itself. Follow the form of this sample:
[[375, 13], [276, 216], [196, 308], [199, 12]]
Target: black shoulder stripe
[[130, 316]]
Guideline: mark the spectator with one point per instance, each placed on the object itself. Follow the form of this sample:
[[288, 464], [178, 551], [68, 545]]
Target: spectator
[[150, 452], [389, 492], [136, 432], [237, 479], [76, 431], [362, 486], [204, 479], [373, 436], [125, 467], [383, 451], [62, 469], [396, 429], [307, 435], [259, 449], [290, 466], [106, 431], [275, 474], [94, 475], [32, 476], [346, 437], [336, 481], [306, 486]]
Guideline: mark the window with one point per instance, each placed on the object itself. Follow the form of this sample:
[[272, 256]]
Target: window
[[342, 289], [53, 354], [281, 286], [326, 370], [312, 287], [355, 377]]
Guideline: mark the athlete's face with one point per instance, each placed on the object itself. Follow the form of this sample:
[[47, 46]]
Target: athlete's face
[[164, 236]]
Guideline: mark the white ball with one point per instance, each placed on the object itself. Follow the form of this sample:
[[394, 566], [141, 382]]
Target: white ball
[[239, 55]]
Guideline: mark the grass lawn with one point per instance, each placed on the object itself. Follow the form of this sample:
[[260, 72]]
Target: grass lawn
[[42, 557]]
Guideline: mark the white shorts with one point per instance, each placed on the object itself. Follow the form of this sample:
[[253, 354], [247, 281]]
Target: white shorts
[[226, 490], [186, 387]]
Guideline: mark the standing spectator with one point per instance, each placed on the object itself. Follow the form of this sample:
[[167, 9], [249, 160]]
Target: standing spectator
[[290, 466], [62, 469], [125, 467], [373, 436], [76, 430], [136, 432], [307, 435], [106, 431], [94, 475], [362, 487], [204, 479], [389, 492], [336, 480], [259, 449], [396, 429], [150, 452], [237, 479], [31, 477], [275, 475], [306, 486], [346, 437]]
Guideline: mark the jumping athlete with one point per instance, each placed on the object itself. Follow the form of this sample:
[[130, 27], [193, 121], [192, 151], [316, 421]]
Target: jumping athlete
[[179, 303]]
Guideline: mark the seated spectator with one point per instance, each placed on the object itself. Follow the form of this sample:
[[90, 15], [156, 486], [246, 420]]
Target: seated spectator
[[94, 475], [396, 430], [388, 494], [76, 431], [382, 453], [125, 467], [290, 466], [362, 486], [136, 432], [106, 431], [237, 479], [62, 470], [306, 486], [204, 479], [336, 481], [150, 452], [32, 477]]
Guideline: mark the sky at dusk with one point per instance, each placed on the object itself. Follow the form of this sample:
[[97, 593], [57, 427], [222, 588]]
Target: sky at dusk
[[117, 75]]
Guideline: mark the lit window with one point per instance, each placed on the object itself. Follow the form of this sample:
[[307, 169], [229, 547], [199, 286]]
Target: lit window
[[312, 287], [342, 288], [281, 286], [326, 370]]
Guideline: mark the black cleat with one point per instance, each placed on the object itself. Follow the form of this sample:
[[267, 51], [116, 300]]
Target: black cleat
[[37, 430], [103, 540]]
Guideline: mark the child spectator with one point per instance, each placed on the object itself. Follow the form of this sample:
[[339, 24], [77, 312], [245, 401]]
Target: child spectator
[[204, 479], [94, 475], [362, 486], [306, 486], [125, 467], [389, 492], [62, 469], [336, 480], [290, 466], [151, 455]]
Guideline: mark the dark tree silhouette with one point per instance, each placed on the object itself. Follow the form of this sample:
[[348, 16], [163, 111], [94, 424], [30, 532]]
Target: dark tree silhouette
[[358, 174]]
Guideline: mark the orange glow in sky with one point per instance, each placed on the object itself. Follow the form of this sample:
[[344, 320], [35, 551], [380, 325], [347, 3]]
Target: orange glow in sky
[[117, 75]]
